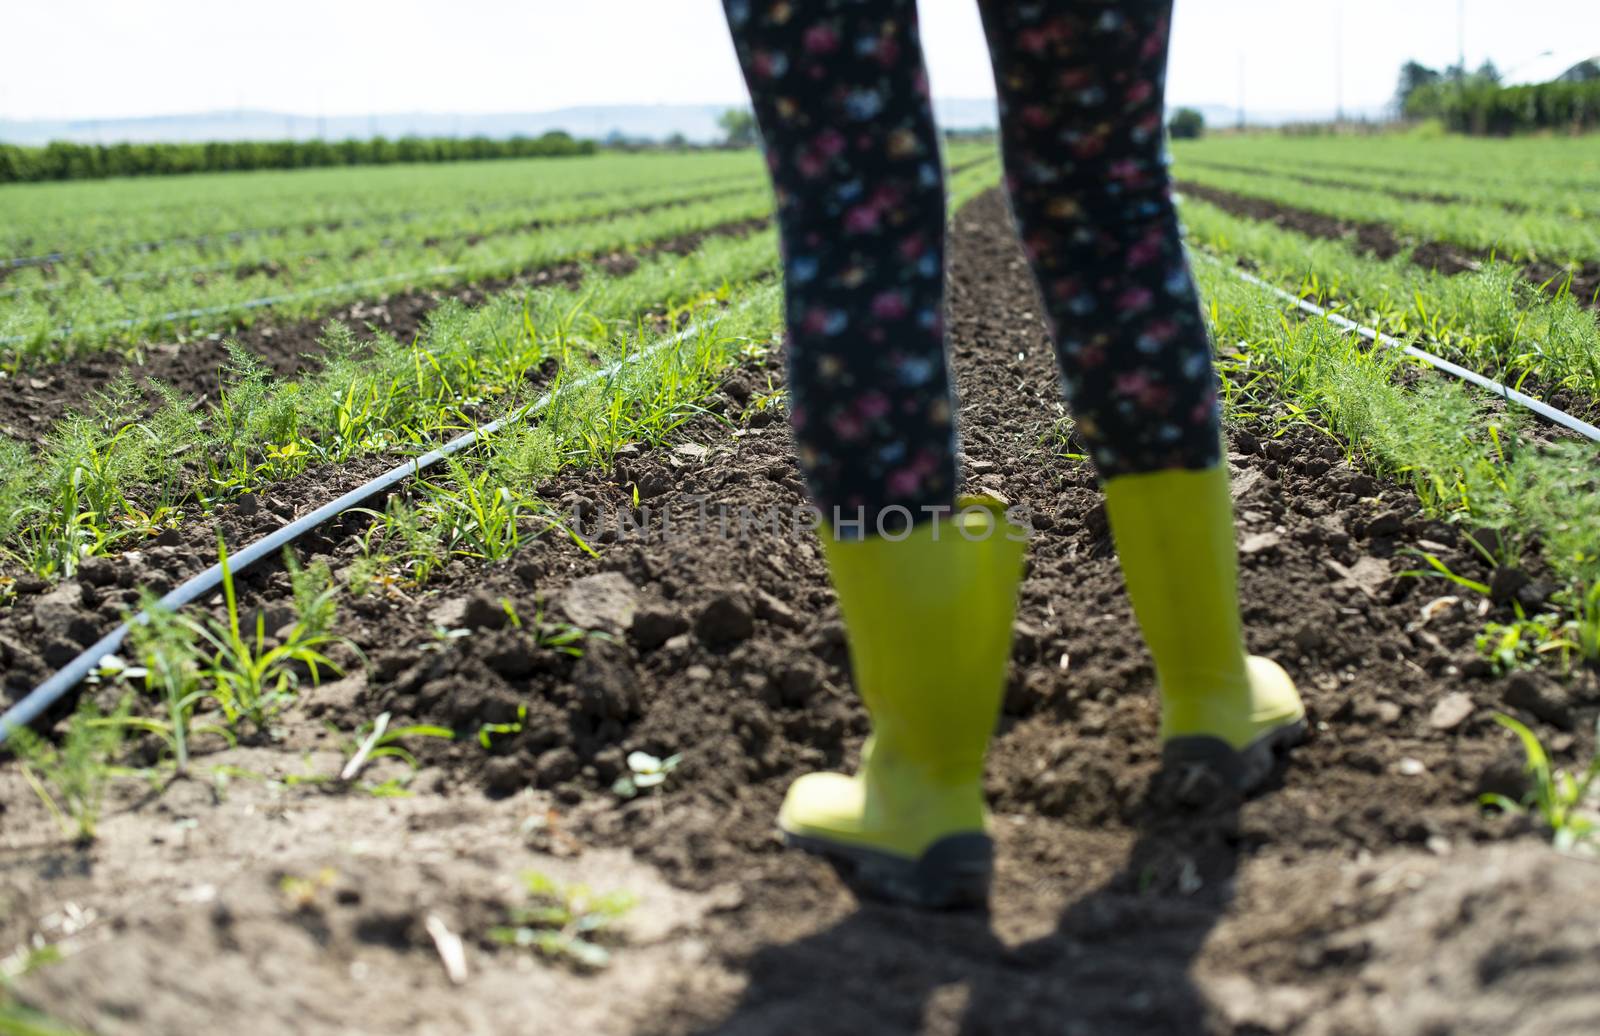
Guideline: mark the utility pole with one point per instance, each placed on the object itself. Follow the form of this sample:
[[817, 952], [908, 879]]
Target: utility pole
[[1241, 90], [1338, 64]]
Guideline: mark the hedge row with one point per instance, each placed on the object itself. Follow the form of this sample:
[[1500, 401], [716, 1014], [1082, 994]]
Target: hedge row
[[65, 161], [1485, 108]]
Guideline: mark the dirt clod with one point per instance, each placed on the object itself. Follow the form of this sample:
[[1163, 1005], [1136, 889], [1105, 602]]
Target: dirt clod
[[725, 619]]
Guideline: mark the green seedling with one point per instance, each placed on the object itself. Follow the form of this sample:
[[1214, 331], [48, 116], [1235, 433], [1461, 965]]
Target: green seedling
[[167, 647], [316, 595], [488, 730], [1565, 802], [378, 741], [254, 679], [645, 771], [565, 922], [1524, 642], [70, 779]]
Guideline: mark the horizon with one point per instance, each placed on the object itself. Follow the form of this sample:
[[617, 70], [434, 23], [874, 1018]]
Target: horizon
[[485, 58]]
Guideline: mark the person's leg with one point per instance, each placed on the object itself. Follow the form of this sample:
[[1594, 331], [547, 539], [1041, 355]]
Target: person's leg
[[1081, 87], [841, 97]]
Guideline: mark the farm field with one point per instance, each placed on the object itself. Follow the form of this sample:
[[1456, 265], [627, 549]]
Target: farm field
[[499, 749]]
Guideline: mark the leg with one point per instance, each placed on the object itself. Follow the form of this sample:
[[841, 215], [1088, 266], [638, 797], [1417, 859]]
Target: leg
[[841, 97], [1081, 91]]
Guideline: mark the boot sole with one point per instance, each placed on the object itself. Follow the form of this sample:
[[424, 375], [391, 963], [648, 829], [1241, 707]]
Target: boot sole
[[1245, 770], [953, 874]]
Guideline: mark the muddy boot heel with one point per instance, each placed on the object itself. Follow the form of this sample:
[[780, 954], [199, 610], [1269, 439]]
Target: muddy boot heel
[[953, 874], [1243, 770]]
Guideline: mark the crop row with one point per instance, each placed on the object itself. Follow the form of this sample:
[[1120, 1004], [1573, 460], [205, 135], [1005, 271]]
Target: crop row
[[1490, 319], [1523, 505], [1441, 188], [271, 243], [40, 219], [33, 328], [81, 217], [116, 473], [1481, 227], [1537, 163]]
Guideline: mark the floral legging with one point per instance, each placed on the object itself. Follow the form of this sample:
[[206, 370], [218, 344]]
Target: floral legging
[[841, 96]]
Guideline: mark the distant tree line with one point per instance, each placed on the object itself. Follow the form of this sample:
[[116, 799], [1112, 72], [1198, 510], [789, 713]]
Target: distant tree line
[[1477, 102], [61, 160]]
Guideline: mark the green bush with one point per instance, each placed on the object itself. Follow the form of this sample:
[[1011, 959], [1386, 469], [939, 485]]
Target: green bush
[[1488, 108], [1186, 124], [61, 160]]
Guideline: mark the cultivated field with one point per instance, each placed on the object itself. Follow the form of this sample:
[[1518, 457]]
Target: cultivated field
[[498, 748]]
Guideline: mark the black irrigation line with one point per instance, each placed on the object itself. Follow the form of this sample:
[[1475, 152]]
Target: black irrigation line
[[48, 693], [1510, 395]]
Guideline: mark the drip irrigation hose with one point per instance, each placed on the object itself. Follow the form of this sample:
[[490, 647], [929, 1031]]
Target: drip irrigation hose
[[1543, 409], [46, 694]]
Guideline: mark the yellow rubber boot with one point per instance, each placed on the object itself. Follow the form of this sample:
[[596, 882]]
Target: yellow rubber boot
[[928, 618], [1220, 707]]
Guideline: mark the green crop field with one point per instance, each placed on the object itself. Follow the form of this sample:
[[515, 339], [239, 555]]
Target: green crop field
[[188, 364]]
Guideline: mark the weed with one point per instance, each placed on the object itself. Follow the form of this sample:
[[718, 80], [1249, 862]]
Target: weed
[[377, 741], [488, 730], [254, 677], [315, 595], [565, 922], [71, 779], [1561, 799], [167, 647], [1523, 642]]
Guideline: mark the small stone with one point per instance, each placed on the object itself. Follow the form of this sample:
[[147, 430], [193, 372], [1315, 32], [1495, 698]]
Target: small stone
[[606, 601], [1260, 543], [1409, 767], [772, 610], [725, 619], [698, 673], [1451, 711], [449, 615], [1387, 713]]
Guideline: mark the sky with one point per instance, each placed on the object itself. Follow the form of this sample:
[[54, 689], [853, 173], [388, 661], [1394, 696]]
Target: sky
[[117, 58]]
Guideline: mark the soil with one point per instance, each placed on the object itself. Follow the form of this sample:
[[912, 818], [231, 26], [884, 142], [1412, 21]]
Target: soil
[[31, 401], [1385, 242], [1364, 893]]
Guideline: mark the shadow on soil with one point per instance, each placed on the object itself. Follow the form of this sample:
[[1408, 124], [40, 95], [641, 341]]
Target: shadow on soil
[[1118, 959]]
